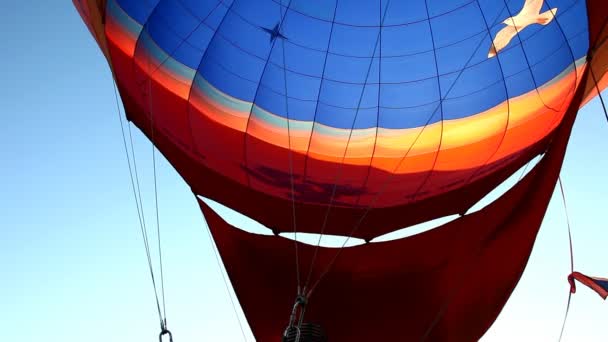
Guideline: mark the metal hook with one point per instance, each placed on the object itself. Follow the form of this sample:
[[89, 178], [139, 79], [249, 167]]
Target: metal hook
[[165, 332], [301, 302]]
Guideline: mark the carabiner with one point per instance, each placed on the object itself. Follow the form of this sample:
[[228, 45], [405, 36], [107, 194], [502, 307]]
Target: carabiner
[[163, 333]]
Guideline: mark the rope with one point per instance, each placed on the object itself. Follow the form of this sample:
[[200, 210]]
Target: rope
[[561, 333], [561, 188], [152, 128], [135, 180], [219, 265], [137, 201], [599, 94], [160, 253], [150, 74]]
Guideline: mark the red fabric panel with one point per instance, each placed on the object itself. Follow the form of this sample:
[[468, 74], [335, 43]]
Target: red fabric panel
[[451, 282]]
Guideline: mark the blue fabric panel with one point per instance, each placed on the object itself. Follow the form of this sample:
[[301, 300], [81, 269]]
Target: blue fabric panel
[[326, 58]]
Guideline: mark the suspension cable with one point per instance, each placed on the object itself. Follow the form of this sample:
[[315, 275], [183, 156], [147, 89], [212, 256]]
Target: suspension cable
[[135, 184], [152, 129], [137, 201], [155, 181], [561, 188], [219, 268]]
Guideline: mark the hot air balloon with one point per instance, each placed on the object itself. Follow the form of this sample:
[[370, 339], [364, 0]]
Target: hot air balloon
[[356, 119]]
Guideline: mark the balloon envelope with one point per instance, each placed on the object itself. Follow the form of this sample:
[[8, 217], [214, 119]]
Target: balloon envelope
[[359, 118]]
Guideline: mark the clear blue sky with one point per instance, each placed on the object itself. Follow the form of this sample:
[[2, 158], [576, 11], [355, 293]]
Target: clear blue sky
[[72, 263]]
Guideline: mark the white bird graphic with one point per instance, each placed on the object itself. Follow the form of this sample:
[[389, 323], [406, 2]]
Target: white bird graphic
[[529, 14]]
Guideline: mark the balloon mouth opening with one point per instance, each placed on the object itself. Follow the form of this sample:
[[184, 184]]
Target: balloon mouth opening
[[249, 225]]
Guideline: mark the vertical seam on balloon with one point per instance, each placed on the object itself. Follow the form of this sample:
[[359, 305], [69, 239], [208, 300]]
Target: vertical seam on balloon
[[567, 41], [371, 159], [195, 148], [290, 157], [257, 89], [504, 81], [441, 100], [186, 38], [527, 60], [340, 166], [138, 41], [312, 129]]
